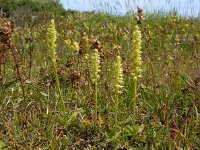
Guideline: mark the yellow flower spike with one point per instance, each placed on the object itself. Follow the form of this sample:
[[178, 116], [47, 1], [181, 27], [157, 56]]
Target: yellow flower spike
[[118, 75], [51, 36], [118, 86], [136, 53], [137, 62], [86, 39], [51, 33], [95, 65]]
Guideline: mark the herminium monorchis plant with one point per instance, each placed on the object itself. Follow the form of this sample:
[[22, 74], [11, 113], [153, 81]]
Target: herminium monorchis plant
[[95, 69], [52, 33], [137, 62], [118, 85]]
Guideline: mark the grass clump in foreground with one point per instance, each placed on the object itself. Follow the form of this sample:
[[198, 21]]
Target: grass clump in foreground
[[165, 115]]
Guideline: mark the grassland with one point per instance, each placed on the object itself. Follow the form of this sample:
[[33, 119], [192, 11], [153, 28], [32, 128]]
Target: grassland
[[168, 93]]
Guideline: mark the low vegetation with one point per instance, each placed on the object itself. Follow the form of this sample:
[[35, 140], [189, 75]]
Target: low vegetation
[[95, 81]]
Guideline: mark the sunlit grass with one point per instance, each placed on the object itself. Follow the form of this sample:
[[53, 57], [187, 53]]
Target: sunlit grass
[[96, 85]]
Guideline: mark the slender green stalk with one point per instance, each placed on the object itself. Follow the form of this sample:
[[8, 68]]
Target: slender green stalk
[[116, 110], [59, 91], [134, 100], [96, 106], [48, 97]]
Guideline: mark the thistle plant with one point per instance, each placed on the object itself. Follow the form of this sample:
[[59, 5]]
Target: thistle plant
[[95, 69], [136, 68], [118, 85], [52, 33]]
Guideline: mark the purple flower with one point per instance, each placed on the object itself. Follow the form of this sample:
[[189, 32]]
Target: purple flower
[[106, 24]]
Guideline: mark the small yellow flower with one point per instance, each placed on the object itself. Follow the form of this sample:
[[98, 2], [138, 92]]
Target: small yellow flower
[[186, 25], [72, 46], [86, 56], [75, 46], [177, 39], [67, 43], [27, 46]]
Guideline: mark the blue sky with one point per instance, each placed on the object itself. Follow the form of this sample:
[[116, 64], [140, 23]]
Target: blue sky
[[183, 7]]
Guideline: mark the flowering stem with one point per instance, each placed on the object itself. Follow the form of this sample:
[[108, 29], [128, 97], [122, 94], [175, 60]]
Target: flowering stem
[[52, 47], [137, 62], [96, 106], [116, 110], [95, 59], [134, 100], [59, 90], [118, 86]]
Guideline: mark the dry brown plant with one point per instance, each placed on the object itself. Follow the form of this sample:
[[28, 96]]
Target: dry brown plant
[[8, 49]]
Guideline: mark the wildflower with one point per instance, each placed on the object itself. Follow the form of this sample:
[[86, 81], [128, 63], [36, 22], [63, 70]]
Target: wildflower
[[86, 56], [86, 41], [177, 39], [118, 75], [75, 46], [67, 43], [51, 33], [118, 81], [136, 53], [140, 15], [106, 24], [95, 65], [137, 62]]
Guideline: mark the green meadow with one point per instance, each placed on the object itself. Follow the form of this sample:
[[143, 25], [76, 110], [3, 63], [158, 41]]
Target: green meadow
[[74, 80]]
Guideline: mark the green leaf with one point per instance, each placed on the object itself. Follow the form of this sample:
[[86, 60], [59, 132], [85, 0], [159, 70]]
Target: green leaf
[[141, 138], [7, 85], [43, 94], [62, 121], [71, 118], [139, 129], [2, 146], [55, 118], [114, 137], [132, 131]]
